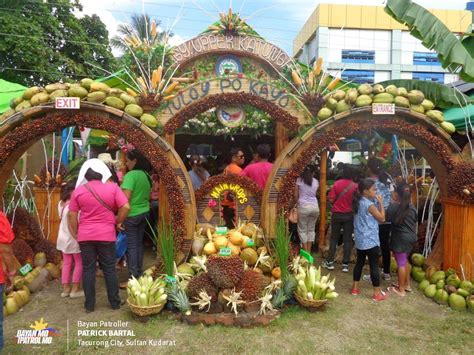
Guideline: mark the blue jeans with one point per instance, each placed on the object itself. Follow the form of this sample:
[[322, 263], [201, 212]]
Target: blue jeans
[[1, 317], [135, 229]]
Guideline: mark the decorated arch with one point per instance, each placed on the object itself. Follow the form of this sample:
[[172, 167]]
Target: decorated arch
[[24, 128]]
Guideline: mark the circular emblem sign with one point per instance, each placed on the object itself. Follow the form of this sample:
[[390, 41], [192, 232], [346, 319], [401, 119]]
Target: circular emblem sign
[[231, 116], [228, 64]]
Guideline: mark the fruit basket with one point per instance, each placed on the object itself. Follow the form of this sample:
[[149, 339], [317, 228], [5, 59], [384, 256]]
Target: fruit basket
[[144, 311], [310, 304]]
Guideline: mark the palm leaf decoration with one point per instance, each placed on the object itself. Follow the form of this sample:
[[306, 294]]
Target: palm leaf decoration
[[434, 35], [443, 96]]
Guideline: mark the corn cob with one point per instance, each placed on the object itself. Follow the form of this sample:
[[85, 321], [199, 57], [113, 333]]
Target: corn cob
[[333, 83], [317, 66], [153, 29], [170, 88], [131, 92], [296, 78]]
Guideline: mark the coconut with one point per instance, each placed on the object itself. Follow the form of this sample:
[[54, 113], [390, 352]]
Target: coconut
[[363, 100], [249, 255], [470, 304], [25, 296], [441, 297], [331, 103], [351, 95], [416, 97], [457, 302], [466, 285], [342, 106], [430, 270], [236, 237], [365, 89], [220, 242], [185, 268], [417, 259], [453, 280], [234, 249], [11, 305], [430, 291], [40, 259], [324, 113], [438, 275], [417, 273], [53, 270], [423, 284], [210, 248], [338, 95], [440, 284], [378, 89], [450, 289], [448, 127], [392, 90], [428, 105]]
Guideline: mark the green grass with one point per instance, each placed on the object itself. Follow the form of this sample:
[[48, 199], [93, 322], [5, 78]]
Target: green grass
[[349, 324]]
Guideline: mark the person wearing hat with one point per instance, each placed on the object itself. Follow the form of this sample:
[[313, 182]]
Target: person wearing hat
[[102, 208]]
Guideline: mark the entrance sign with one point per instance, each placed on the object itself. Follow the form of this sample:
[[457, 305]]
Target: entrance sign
[[383, 109], [242, 45], [70, 103], [235, 84]]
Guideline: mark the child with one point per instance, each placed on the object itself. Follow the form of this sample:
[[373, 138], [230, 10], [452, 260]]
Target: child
[[403, 216], [366, 227], [69, 247]]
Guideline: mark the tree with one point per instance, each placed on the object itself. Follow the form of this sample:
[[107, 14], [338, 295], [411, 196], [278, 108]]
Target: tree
[[43, 42], [142, 29]]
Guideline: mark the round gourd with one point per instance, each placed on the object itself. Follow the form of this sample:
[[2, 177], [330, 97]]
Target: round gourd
[[53, 270], [11, 305], [210, 248], [249, 255], [236, 237], [276, 273], [220, 242], [235, 250]]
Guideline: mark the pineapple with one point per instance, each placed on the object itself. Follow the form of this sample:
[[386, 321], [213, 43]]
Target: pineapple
[[179, 298]]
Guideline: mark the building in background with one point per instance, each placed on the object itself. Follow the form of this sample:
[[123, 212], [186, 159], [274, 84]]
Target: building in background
[[370, 45]]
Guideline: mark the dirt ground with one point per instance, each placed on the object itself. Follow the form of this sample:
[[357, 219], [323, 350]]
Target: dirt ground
[[349, 324]]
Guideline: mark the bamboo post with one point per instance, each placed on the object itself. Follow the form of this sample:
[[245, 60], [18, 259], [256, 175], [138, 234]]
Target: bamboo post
[[322, 200], [281, 138]]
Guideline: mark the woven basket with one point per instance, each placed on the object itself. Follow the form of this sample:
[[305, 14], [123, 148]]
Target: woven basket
[[145, 311], [311, 304]]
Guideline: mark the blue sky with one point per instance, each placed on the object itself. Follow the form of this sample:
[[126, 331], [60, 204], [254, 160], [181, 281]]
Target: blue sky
[[279, 21]]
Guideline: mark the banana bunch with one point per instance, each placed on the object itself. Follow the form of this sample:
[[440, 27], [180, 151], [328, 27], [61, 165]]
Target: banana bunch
[[146, 292], [312, 286]]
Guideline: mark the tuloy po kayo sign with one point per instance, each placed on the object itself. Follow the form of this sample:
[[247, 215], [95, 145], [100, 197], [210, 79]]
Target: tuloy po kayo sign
[[243, 45]]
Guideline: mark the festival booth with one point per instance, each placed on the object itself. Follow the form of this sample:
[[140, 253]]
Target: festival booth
[[244, 272]]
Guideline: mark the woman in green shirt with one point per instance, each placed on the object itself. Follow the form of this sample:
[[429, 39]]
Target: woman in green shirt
[[137, 186]]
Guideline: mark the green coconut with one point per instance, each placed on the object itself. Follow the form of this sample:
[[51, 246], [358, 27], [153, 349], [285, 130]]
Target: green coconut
[[149, 120], [470, 304], [450, 271], [441, 297], [417, 259], [440, 284], [378, 89], [457, 302], [448, 127], [365, 89], [392, 90], [418, 274], [463, 293], [134, 110], [430, 291], [453, 280], [423, 284], [342, 106], [185, 268], [384, 98], [438, 275], [466, 285], [338, 95], [363, 100], [324, 113]]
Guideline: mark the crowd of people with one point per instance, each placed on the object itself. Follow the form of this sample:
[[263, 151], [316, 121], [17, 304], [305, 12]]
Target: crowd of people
[[368, 212]]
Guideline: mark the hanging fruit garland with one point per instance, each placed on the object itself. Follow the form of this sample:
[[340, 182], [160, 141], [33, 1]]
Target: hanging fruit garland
[[325, 139], [36, 128]]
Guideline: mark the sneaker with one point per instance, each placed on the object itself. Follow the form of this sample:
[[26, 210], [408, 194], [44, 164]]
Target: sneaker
[[77, 294], [65, 294], [355, 292], [382, 296], [366, 278], [328, 265], [387, 277], [345, 268]]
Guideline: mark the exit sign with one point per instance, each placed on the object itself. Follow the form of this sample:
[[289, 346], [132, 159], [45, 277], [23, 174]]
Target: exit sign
[[68, 103]]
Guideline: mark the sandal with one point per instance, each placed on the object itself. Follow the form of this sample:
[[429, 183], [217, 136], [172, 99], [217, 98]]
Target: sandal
[[407, 289], [395, 290]]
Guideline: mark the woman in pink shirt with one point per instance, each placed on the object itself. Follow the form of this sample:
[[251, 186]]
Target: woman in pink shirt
[[97, 202]]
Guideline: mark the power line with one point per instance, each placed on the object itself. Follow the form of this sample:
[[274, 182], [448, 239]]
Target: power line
[[43, 71]]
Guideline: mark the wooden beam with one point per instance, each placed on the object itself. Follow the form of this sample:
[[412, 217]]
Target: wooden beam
[[281, 138], [322, 199]]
